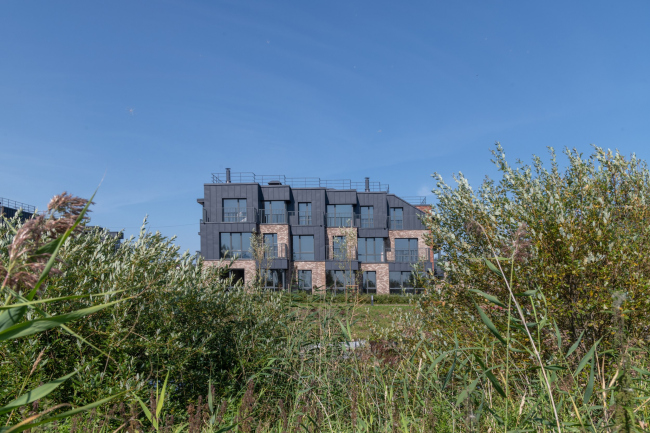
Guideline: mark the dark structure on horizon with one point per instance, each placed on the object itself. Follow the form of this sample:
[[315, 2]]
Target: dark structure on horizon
[[11, 208], [304, 221]]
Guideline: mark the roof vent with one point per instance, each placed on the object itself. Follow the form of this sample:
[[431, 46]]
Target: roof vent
[[275, 182]]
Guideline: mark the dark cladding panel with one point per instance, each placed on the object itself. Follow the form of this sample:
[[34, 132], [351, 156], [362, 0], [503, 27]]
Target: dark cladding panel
[[341, 197], [379, 207], [411, 213], [280, 193]]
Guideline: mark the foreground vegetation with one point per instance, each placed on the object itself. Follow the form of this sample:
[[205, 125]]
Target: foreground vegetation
[[540, 324]]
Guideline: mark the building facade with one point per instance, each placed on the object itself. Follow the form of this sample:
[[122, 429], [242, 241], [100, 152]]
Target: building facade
[[11, 208], [316, 234]]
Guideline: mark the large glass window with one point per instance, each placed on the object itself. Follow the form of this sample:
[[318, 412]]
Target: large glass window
[[403, 282], [371, 249], [236, 246], [304, 214], [234, 210], [338, 248], [340, 215], [303, 247], [367, 220], [274, 212], [271, 244], [340, 280], [406, 250], [273, 279], [370, 282], [396, 215], [304, 280], [235, 276]]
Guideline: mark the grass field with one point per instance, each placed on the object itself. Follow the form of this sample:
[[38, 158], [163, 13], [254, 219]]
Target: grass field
[[365, 316]]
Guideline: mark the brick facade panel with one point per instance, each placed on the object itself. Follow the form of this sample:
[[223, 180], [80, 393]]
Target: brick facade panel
[[381, 270]]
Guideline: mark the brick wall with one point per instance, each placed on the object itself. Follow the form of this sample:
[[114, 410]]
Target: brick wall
[[282, 230], [381, 270], [317, 272], [247, 265], [406, 234]]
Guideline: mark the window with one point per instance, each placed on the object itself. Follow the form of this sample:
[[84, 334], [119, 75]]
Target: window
[[274, 212], [234, 210], [236, 276], [303, 247], [271, 244], [406, 250], [340, 280], [340, 215], [396, 218], [371, 249], [273, 279], [338, 248], [304, 214], [370, 282], [367, 217], [304, 280], [403, 282], [236, 246]]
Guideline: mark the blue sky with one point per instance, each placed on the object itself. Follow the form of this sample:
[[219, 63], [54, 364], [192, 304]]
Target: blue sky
[[155, 96]]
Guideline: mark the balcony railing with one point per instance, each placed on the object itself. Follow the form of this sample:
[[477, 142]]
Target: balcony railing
[[236, 254], [271, 216], [412, 255], [342, 219], [373, 257], [340, 253], [276, 251], [410, 222], [236, 215], [303, 218], [367, 222], [303, 256]]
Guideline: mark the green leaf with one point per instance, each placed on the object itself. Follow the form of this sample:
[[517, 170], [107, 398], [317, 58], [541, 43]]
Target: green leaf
[[490, 298], [527, 293], [147, 413], [489, 324], [39, 325], [467, 391], [575, 345], [491, 266], [558, 336], [10, 317], [35, 394], [488, 373], [590, 384], [62, 298], [161, 400], [63, 415], [587, 357]]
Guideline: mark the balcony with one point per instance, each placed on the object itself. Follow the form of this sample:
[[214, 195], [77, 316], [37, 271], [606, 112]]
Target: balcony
[[405, 223], [408, 256], [367, 222], [272, 216], [304, 218], [276, 251], [339, 253], [235, 215], [342, 220], [236, 254], [374, 257]]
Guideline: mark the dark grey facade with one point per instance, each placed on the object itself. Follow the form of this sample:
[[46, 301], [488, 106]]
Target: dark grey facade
[[290, 210], [11, 208]]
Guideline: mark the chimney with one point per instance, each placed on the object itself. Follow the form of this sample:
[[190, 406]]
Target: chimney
[[367, 184], [227, 175]]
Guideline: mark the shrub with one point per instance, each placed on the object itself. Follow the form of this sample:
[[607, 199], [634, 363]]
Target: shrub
[[578, 234]]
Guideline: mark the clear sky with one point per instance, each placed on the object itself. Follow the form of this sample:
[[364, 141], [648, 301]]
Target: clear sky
[[154, 96]]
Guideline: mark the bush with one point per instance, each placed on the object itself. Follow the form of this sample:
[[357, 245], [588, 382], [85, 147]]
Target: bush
[[580, 235]]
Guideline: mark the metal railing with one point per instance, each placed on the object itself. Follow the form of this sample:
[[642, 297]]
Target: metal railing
[[276, 251], [374, 257], [303, 218], [270, 216], [236, 254], [367, 222], [411, 222], [415, 200], [298, 182], [303, 256], [13, 204], [412, 255], [236, 215], [340, 253], [342, 219]]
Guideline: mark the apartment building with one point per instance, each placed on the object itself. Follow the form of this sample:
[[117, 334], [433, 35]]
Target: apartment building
[[317, 234], [11, 208]]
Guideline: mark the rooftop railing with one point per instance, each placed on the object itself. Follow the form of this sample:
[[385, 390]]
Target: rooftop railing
[[415, 200], [298, 182], [13, 204]]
